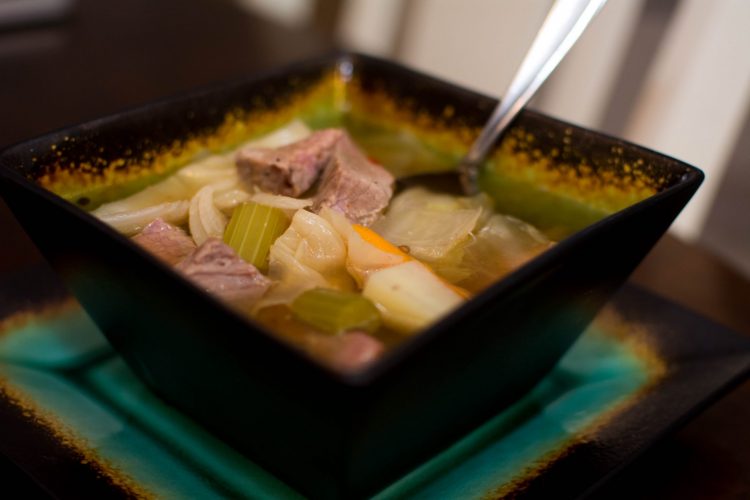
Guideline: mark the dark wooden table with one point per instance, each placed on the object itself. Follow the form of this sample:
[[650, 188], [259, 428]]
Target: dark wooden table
[[110, 55]]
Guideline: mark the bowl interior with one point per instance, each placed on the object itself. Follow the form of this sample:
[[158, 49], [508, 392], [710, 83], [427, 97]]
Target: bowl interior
[[558, 177]]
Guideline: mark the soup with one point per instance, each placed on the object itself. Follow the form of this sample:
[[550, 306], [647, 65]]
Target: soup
[[301, 231]]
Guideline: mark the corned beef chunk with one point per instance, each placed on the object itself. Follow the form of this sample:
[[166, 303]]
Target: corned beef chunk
[[354, 185], [290, 170], [216, 268], [169, 243], [352, 351]]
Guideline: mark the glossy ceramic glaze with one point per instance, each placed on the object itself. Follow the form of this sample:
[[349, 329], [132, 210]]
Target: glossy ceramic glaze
[[84, 426], [328, 434]]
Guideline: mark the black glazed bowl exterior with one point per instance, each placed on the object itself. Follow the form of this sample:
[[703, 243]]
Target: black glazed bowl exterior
[[327, 434]]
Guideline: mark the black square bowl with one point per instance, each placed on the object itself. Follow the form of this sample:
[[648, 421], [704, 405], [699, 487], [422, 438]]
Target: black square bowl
[[328, 434]]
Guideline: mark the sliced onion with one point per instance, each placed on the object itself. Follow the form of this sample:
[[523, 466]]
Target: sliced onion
[[206, 220], [185, 183], [168, 190], [286, 203], [132, 222], [293, 131], [228, 199]]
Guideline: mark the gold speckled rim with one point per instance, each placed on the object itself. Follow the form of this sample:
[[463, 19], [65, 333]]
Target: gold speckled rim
[[69, 444], [549, 159]]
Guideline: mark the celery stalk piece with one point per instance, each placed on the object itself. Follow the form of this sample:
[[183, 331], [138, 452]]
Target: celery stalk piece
[[252, 230], [334, 311]]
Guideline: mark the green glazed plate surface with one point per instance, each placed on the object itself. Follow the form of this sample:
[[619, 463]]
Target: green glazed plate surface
[[58, 370]]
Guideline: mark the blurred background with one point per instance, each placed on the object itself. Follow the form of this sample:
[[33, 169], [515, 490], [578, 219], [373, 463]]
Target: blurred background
[[673, 75]]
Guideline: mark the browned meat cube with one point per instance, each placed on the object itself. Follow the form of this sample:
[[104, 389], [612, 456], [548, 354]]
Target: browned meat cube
[[290, 170], [348, 352], [167, 242], [354, 185], [216, 267]]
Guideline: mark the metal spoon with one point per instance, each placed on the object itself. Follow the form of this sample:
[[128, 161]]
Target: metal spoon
[[562, 27]]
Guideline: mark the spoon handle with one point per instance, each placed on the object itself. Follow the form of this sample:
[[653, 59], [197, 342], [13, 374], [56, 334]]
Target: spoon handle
[[564, 23]]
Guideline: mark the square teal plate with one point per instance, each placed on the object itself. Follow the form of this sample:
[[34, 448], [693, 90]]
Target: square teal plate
[[79, 423]]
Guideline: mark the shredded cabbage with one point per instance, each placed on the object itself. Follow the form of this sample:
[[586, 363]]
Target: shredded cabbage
[[459, 237], [409, 296], [431, 225], [501, 245], [309, 254]]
